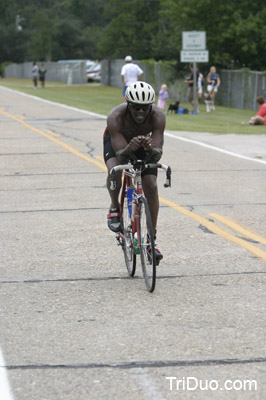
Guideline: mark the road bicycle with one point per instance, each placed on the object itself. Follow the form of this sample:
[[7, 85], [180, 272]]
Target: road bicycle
[[136, 236]]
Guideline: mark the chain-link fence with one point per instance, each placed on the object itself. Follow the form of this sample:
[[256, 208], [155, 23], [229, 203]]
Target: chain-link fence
[[71, 73], [238, 88]]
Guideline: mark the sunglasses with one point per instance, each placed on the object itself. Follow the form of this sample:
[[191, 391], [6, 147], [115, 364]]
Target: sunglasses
[[138, 107]]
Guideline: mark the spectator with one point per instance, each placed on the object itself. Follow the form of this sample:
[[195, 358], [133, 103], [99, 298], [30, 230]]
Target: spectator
[[260, 117], [200, 85], [42, 73], [163, 95], [35, 73], [214, 82], [190, 81], [130, 73]]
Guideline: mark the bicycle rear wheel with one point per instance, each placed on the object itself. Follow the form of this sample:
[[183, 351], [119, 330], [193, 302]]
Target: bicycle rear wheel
[[127, 243], [147, 250]]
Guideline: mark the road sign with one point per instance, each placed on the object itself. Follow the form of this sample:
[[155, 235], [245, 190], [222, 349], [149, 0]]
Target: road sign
[[194, 40], [193, 51], [195, 56]]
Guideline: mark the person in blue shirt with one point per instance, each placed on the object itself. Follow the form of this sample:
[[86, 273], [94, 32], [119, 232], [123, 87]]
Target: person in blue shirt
[[213, 80]]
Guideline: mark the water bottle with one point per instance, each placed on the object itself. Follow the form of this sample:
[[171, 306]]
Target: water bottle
[[136, 244], [130, 191]]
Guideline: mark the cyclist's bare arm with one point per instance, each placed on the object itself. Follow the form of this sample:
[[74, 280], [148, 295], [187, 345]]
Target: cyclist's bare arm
[[157, 136], [119, 143], [152, 143]]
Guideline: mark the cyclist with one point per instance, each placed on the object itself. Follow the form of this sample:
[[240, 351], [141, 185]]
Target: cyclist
[[135, 126]]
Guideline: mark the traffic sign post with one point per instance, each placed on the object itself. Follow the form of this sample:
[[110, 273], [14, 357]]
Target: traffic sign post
[[194, 50]]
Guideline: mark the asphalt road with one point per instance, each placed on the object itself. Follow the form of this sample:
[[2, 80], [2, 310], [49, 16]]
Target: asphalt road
[[74, 326]]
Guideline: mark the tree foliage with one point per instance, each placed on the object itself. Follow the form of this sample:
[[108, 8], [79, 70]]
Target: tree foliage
[[146, 29]]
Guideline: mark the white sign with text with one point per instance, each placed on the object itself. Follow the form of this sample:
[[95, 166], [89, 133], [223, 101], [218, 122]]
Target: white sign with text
[[194, 40], [194, 56]]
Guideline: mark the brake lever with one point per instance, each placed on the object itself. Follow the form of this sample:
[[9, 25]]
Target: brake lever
[[168, 178]]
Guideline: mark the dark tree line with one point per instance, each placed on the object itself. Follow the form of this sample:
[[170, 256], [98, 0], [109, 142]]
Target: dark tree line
[[148, 29]]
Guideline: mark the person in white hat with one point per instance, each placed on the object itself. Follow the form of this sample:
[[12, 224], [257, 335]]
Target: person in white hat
[[130, 73]]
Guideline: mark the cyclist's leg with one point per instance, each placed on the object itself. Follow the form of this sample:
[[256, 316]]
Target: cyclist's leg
[[114, 194], [111, 161], [149, 183], [114, 215]]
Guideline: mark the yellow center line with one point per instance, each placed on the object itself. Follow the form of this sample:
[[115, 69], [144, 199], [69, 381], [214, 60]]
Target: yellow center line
[[52, 132], [100, 158], [239, 228], [53, 139], [211, 226]]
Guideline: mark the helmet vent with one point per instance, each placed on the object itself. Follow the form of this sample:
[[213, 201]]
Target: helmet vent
[[140, 93]]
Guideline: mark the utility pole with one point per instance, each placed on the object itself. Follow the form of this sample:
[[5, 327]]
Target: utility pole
[[195, 97]]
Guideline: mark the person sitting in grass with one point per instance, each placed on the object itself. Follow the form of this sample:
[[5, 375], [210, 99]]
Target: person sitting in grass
[[260, 117]]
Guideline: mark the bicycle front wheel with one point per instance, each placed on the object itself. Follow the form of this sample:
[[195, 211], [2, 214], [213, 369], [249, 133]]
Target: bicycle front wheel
[[127, 243], [147, 250]]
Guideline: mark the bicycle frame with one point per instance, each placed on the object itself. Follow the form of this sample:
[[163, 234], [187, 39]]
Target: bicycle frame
[[137, 235], [133, 173], [131, 176]]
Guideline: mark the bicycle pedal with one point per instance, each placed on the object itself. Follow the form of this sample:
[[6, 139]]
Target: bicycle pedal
[[118, 239]]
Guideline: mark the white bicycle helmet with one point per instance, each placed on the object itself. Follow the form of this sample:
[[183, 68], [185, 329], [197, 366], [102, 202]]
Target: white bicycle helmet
[[140, 93]]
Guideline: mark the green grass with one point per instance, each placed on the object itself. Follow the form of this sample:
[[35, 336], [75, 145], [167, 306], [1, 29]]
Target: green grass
[[101, 99], [91, 97]]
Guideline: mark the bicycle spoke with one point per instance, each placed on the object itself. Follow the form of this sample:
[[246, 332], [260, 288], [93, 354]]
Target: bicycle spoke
[[130, 257], [147, 251]]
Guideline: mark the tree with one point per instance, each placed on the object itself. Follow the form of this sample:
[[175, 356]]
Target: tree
[[146, 29], [236, 30], [50, 29], [131, 29]]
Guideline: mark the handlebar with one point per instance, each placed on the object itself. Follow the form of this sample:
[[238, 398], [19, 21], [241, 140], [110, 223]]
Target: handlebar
[[138, 165]]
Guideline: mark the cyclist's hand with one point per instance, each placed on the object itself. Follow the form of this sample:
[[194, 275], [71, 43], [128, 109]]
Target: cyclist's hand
[[147, 143], [135, 143]]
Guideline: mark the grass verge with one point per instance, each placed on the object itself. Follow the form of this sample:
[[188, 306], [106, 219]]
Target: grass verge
[[101, 99]]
